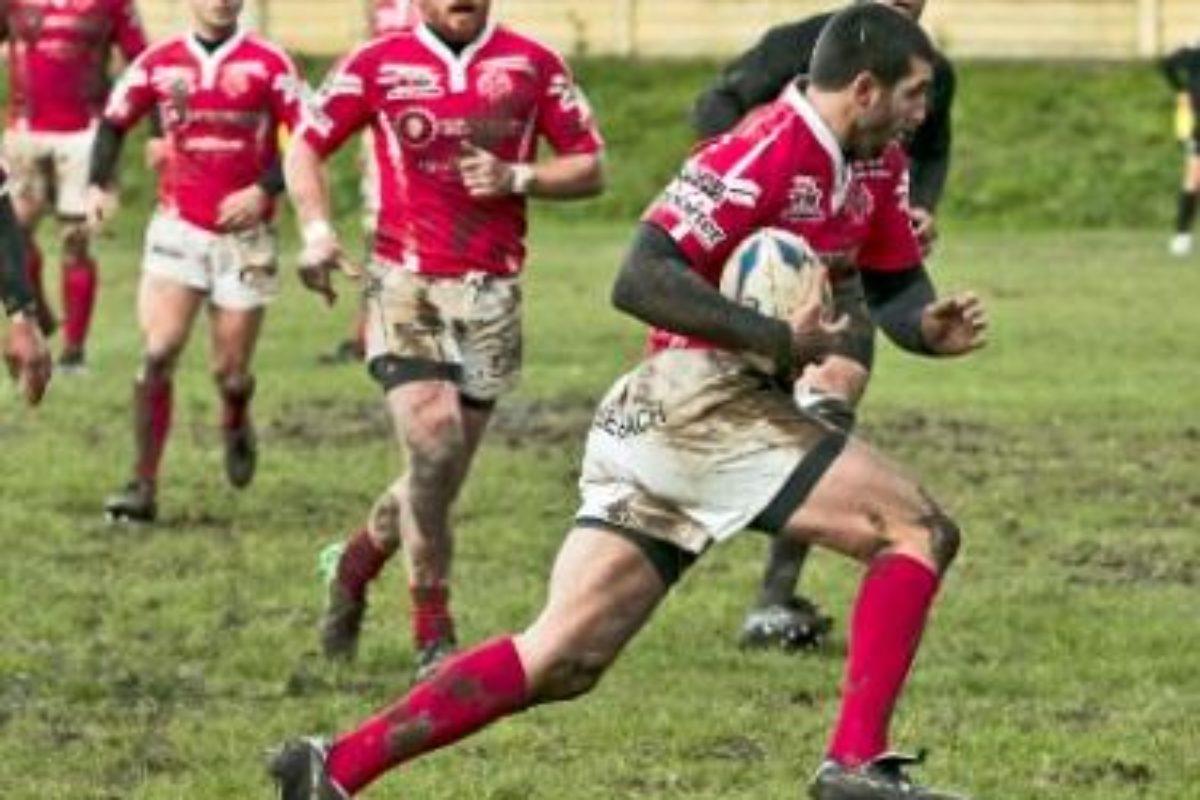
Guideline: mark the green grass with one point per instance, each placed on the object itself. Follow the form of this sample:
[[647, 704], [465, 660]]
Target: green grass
[[159, 662]]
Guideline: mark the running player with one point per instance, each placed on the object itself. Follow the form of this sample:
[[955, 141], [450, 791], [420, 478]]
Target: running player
[[386, 17], [456, 108], [58, 78], [780, 616], [696, 443], [1182, 70], [222, 94], [25, 352]]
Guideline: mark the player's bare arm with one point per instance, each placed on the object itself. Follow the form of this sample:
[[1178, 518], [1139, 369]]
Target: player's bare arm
[[563, 177], [906, 306], [308, 187], [656, 286]]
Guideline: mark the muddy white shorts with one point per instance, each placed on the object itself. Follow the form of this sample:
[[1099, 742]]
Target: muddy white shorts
[[693, 446], [466, 330], [51, 168], [239, 271]]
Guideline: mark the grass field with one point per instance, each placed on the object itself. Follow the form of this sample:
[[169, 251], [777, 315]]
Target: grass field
[[159, 662]]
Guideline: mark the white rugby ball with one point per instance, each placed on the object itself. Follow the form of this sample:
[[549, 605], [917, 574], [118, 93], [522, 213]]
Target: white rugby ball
[[771, 271]]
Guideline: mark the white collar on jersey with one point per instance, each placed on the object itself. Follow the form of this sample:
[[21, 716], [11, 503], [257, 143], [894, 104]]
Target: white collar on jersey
[[210, 62], [457, 64], [824, 134]]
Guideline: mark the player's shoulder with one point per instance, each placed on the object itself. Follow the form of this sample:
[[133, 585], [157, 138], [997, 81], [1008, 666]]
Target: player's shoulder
[[166, 49], [520, 43], [268, 50]]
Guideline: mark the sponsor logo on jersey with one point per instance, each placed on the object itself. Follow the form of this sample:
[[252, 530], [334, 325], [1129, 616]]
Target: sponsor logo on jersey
[[621, 422], [238, 77], [804, 200], [416, 127], [410, 82]]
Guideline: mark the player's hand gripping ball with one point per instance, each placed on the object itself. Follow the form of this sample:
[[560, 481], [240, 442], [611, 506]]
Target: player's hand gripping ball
[[777, 274]]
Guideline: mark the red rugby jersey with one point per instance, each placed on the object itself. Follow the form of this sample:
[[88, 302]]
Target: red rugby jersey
[[221, 113], [782, 167], [58, 58], [422, 102]]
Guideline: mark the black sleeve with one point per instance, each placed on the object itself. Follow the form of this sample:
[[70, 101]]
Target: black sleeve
[[757, 76], [930, 147], [656, 286], [896, 300], [272, 181], [15, 292], [1172, 69], [106, 154]]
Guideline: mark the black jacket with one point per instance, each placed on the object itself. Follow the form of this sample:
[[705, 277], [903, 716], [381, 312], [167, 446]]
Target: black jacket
[[783, 54]]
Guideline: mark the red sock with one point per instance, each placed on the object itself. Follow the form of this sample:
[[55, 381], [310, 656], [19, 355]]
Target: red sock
[[235, 403], [889, 617], [79, 298], [151, 423], [431, 620], [361, 561], [470, 690]]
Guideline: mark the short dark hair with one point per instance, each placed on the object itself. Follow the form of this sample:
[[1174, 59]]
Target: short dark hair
[[868, 37]]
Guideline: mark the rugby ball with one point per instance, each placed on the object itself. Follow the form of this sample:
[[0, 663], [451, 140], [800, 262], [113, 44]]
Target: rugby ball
[[772, 271]]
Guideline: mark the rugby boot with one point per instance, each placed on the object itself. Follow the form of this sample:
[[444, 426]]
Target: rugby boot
[[241, 455], [431, 656], [882, 778], [298, 769], [798, 624], [134, 502], [71, 361]]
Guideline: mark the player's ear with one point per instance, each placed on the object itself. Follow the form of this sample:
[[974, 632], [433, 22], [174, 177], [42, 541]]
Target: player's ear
[[864, 89]]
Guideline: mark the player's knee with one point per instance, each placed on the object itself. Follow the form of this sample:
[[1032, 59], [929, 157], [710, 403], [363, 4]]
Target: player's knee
[[383, 525], [75, 240], [573, 673], [945, 537]]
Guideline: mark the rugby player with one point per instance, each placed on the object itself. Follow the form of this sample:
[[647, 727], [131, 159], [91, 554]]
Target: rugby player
[[25, 352], [1182, 70], [222, 94], [780, 616], [58, 78], [696, 443], [385, 18], [456, 107]]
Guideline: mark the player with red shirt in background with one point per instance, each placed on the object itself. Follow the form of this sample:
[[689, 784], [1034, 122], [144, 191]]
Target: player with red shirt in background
[[58, 79], [222, 94], [456, 107], [385, 18], [699, 441]]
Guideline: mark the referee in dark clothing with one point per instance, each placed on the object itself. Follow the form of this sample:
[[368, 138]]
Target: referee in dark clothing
[[1182, 70], [780, 616]]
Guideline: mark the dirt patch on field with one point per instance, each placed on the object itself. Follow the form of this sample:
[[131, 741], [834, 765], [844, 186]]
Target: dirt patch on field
[[732, 748], [328, 421], [1094, 563], [553, 422], [1109, 770], [908, 430]]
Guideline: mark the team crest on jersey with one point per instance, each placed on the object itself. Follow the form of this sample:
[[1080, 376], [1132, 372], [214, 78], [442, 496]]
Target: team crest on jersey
[[494, 84], [410, 82], [416, 127], [237, 78], [804, 200]]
